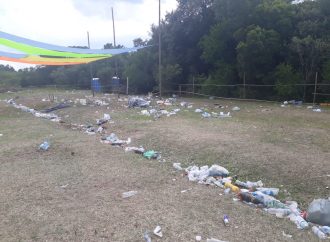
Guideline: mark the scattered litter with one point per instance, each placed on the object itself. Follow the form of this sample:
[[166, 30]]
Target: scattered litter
[[286, 235], [206, 115], [137, 150], [226, 220], [198, 238], [105, 119], [44, 146], [146, 237], [318, 110], [215, 240], [83, 102], [183, 191], [129, 194], [325, 229], [100, 129], [177, 166], [1, 135], [236, 109], [57, 107], [309, 107], [145, 112], [319, 233], [198, 110], [318, 212], [224, 115], [64, 186], [137, 102], [269, 191], [114, 140], [151, 154], [52, 117], [158, 231]]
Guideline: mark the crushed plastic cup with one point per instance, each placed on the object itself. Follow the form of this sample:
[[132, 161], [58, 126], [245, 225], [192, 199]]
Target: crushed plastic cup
[[44, 146], [158, 231]]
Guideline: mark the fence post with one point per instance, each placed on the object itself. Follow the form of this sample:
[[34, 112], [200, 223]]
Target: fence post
[[127, 86], [193, 85], [315, 88], [244, 91]]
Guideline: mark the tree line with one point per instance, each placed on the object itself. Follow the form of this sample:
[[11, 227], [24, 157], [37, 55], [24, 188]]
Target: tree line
[[276, 45]]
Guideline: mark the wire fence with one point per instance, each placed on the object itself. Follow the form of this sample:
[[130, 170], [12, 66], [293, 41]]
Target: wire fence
[[316, 93]]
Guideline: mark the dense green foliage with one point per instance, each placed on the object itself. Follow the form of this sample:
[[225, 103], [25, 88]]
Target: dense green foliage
[[275, 46]]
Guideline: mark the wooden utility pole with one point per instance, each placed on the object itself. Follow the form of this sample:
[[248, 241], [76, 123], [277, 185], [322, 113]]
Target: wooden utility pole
[[90, 67], [160, 51], [114, 40]]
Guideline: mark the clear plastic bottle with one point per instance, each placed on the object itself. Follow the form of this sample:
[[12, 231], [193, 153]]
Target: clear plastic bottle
[[279, 212], [299, 221], [318, 233]]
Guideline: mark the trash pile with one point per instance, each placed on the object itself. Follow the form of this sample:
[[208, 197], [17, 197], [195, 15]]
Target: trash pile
[[49, 116], [89, 100], [57, 107], [256, 195], [158, 113], [137, 102], [114, 140]]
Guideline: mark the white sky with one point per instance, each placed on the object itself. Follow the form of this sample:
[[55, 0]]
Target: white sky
[[66, 22]]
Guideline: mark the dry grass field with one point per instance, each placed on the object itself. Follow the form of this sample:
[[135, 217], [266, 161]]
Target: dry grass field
[[73, 191]]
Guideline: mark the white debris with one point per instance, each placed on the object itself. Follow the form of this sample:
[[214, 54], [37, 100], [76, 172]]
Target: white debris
[[198, 110], [145, 112], [183, 191], [286, 235], [215, 240], [206, 115], [236, 109], [198, 238], [83, 102], [129, 194], [177, 166], [106, 116], [158, 231], [318, 110]]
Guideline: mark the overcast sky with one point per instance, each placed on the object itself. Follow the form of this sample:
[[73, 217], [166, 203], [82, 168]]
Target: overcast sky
[[66, 22]]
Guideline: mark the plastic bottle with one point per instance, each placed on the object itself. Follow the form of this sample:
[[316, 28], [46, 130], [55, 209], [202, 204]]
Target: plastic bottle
[[241, 184], [232, 187], [299, 221], [325, 229], [279, 212], [269, 191], [248, 197], [226, 220], [318, 233]]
